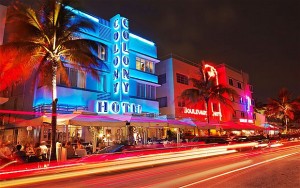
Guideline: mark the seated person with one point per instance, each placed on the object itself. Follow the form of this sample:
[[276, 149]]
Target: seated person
[[19, 155], [70, 150], [79, 145]]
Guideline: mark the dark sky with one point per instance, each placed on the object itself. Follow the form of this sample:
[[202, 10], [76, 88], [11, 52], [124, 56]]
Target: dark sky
[[260, 37]]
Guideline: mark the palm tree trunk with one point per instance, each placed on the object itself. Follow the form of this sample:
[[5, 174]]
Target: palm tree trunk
[[286, 124], [54, 114], [207, 114]]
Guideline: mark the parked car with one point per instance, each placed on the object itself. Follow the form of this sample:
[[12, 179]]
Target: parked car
[[240, 139], [217, 139], [259, 139]]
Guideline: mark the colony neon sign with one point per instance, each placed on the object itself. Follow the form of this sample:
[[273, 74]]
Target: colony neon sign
[[105, 107], [120, 57]]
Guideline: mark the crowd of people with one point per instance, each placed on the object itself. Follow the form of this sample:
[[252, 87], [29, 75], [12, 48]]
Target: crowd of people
[[30, 152]]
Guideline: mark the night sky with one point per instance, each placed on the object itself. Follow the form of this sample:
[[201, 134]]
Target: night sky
[[259, 37]]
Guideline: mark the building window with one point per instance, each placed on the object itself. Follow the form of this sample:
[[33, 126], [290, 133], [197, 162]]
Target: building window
[[242, 114], [181, 103], [73, 76], [150, 92], [232, 98], [101, 86], [182, 79], [76, 78], [162, 102], [234, 114], [162, 79], [102, 52], [144, 65], [141, 90], [146, 91], [81, 79], [241, 100], [60, 79], [239, 85], [230, 82]]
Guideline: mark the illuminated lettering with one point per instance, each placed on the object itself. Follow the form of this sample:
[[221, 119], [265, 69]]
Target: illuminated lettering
[[125, 61], [125, 35], [126, 107], [125, 23], [125, 74], [116, 24], [116, 48], [116, 74], [199, 112], [116, 36], [118, 107], [115, 107], [126, 87], [124, 47], [103, 107], [116, 61], [116, 87]]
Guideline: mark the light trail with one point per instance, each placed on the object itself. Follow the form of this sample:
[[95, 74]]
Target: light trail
[[130, 163], [240, 169]]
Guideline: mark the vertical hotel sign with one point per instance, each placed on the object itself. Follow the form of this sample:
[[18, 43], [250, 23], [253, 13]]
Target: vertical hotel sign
[[120, 65]]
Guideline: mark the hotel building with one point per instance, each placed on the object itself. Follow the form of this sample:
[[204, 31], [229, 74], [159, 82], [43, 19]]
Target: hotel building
[[174, 73], [126, 86]]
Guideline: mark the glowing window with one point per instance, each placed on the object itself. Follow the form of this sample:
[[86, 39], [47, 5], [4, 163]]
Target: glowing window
[[144, 65], [102, 52]]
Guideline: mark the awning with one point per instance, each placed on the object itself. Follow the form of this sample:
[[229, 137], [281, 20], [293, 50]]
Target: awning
[[96, 120], [179, 124], [239, 126]]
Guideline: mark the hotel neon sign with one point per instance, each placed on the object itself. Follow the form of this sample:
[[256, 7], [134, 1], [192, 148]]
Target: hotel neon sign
[[120, 57], [115, 107], [199, 112]]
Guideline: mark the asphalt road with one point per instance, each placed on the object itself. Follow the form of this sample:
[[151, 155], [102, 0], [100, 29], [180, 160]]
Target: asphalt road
[[273, 167]]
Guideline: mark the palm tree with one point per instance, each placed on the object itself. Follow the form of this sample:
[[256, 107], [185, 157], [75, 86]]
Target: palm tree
[[49, 36], [283, 108], [206, 89]]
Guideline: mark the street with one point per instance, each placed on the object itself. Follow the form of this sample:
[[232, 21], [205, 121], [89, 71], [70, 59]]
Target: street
[[272, 167]]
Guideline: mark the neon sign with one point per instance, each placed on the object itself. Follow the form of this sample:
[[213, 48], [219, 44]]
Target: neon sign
[[199, 112], [246, 120], [105, 107], [120, 58]]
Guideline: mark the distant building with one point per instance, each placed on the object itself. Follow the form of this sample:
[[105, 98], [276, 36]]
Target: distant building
[[174, 74]]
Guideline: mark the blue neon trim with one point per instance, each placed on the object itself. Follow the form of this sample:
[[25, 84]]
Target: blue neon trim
[[141, 39], [82, 14]]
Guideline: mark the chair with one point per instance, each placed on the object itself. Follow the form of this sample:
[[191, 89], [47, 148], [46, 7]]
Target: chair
[[81, 152]]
